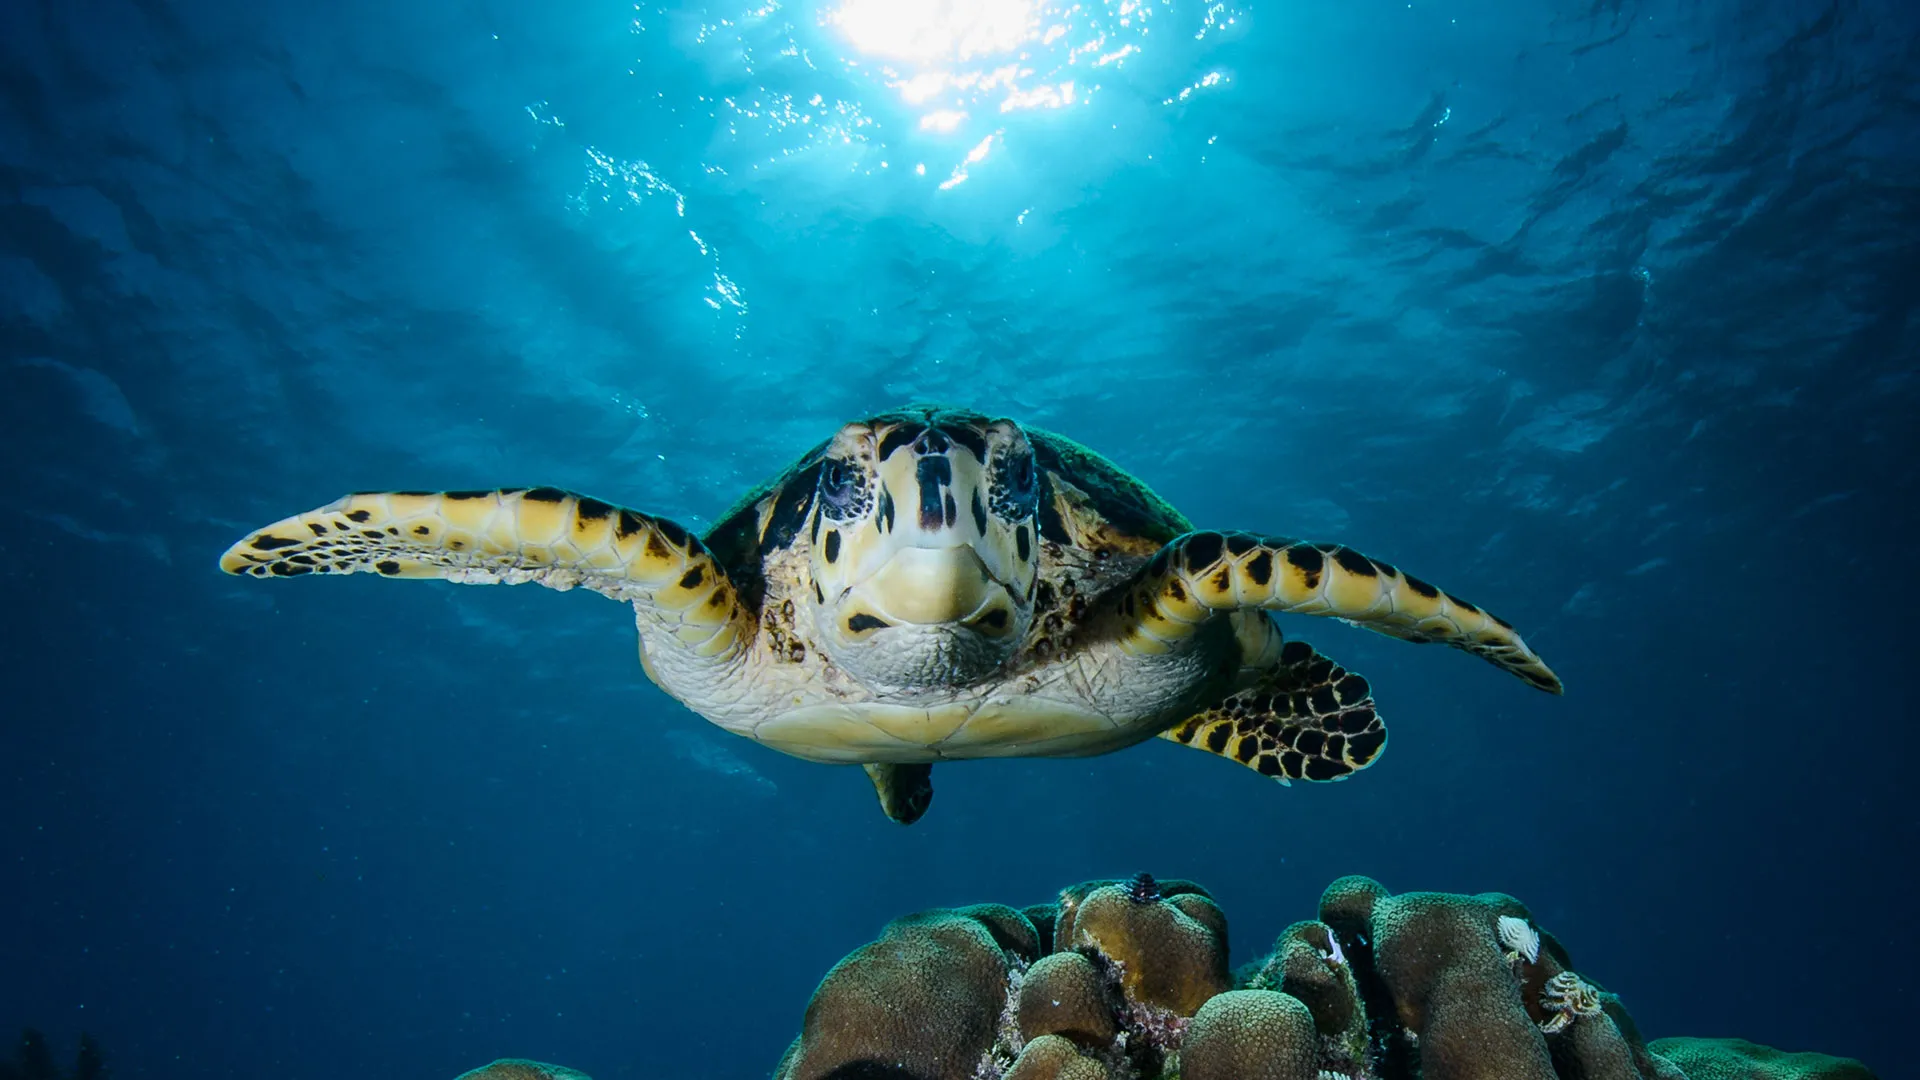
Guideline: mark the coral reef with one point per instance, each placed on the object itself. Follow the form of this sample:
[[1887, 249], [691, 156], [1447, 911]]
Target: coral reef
[[934, 997], [33, 1060], [1737, 1059], [1169, 953], [1128, 980], [1052, 1057], [517, 1069], [1440, 959], [1309, 964], [1251, 1035], [1065, 994]]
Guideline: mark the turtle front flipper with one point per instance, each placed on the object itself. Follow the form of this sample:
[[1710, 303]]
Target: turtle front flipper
[[1201, 574], [1303, 718], [542, 535]]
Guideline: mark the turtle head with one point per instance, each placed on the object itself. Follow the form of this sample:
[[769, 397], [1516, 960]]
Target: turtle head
[[924, 547]]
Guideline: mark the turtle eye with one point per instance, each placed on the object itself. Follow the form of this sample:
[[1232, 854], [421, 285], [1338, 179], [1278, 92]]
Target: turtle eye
[[837, 487], [1022, 476], [1012, 495]]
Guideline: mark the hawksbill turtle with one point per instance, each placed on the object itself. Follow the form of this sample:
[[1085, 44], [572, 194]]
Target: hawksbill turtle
[[932, 584]]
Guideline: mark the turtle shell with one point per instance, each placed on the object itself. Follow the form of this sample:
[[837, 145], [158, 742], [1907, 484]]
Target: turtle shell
[[1085, 501], [1090, 502]]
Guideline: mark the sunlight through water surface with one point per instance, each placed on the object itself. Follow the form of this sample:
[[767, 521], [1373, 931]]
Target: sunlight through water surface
[[963, 65], [924, 91]]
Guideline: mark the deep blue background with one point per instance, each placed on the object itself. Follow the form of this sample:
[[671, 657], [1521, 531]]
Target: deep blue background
[[1599, 313]]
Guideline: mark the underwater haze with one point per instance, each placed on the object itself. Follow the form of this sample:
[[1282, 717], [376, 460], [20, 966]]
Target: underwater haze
[[1602, 313]]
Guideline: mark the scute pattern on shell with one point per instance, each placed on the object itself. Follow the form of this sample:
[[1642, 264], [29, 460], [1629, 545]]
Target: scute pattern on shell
[[1129, 508]]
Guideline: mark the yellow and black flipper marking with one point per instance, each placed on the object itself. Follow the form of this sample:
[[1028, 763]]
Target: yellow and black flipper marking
[[1307, 718], [1201, 574], [541, 535]]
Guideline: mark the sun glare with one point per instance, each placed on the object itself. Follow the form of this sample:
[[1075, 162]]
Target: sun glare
[[922, 31], [964, 68], [952, 59]]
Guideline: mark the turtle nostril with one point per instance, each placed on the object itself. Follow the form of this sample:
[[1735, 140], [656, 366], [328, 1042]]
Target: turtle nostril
[[934, 475], [931, 442]]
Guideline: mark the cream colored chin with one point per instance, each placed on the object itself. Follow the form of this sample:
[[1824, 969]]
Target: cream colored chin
[[930, 586]]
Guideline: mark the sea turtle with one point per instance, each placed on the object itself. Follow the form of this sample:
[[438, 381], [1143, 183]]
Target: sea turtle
[[932, 584]]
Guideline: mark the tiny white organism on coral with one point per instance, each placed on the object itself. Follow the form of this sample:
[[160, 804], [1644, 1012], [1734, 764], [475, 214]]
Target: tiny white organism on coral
[[1520, 938], [1333, 955], [1568, 997]]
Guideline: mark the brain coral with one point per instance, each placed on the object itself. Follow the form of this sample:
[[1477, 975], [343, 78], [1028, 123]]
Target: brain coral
[[1251, 1035], [1051, 1057], [1169, 953], [1065, 994], [925, 1001]]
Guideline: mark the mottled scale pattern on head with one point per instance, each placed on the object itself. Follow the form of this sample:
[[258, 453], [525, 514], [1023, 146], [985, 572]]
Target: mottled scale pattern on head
[[1307, 718], [1203, 573], [512, 536]]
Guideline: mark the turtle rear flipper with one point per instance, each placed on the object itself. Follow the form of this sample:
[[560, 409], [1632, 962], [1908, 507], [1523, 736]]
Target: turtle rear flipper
[[1303, 718], [905, 790], [513, 536], [1201, 574]]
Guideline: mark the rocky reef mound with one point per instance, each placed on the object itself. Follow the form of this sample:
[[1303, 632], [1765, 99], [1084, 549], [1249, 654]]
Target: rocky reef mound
[[1128, 980]]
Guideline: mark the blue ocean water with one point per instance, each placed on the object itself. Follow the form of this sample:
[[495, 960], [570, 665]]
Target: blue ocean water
[[1601, 313]]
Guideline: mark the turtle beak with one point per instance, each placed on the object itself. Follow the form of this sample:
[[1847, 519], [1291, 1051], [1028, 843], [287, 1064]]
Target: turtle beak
[[932, 585]]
